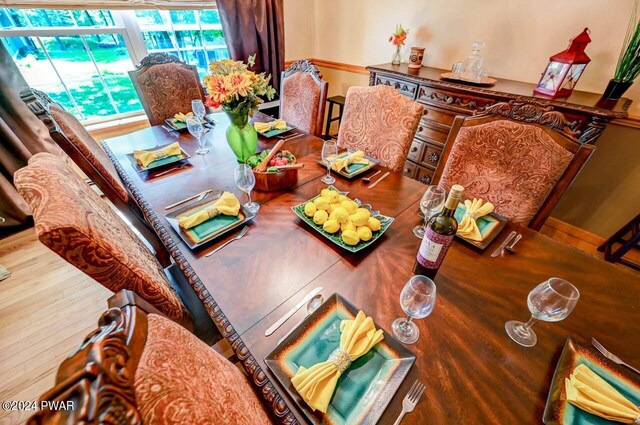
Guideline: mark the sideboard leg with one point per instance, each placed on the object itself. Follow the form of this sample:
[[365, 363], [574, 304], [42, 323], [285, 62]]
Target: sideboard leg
[[593, 130]]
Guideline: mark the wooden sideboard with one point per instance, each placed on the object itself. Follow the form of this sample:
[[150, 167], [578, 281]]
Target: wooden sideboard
[[444, 100]]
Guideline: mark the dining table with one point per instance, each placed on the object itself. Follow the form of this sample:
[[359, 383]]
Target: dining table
[[472, 371]]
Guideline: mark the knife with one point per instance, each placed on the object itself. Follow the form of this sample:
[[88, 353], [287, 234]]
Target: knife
[[291, 312], [185, 200], [499, 250], [372, 185]]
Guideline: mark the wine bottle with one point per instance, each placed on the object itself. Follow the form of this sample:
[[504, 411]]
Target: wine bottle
[[438, 235]]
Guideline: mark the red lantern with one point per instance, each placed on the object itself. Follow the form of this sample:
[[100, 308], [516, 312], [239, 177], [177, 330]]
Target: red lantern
[[565, 68]]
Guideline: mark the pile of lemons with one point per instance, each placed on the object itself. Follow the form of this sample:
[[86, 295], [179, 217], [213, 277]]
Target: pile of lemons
[[335, 212]]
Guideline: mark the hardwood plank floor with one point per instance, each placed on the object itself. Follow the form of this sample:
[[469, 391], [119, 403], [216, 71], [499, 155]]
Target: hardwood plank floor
[[47, 307]]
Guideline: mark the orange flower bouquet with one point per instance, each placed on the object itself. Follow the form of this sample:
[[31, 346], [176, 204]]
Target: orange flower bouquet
[[397, 39], [231, 85]]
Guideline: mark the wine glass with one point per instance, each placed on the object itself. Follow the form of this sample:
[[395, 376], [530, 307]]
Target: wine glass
[[431, 203], [418, 297], [245, 180], [329, 154], [194, 124], [550, 301], [198, 108]]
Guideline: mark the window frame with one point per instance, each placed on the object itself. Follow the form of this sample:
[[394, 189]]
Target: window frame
[[128, 27]]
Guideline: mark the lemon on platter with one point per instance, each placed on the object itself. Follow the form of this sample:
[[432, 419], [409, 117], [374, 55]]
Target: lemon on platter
[[331, 195], [364, 233], [349, 205], [343, 198], [320, 217], [322, 203], [360, 218], [347, 225], [350, 237], [373, 224], [310, 209], [331, 226], [340, 214]]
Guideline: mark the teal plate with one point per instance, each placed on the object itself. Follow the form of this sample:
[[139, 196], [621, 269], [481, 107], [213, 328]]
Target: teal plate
[[490, 226], [385, 222], [167, 160], [182, 126], [365, 389], [559, 412], [210, 229], [353, 170], [274, 132]]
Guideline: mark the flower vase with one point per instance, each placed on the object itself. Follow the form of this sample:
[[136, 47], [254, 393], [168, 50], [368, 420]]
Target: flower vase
[[241, 135], [397, 55]]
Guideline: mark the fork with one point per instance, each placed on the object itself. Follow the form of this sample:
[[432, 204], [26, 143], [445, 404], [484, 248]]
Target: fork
[[608, 354], [368, 179], [244, 232], [410, 400]]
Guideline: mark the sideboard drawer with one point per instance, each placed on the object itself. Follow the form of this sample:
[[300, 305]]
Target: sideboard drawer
[[458, 102], [427, 133], [409, 169], [431, 156], [441, 116], [415, 151], [404, 87], [424, 175]]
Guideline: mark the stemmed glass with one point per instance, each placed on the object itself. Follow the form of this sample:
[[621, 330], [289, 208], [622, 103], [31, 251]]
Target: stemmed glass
[[194, 124], [198, 108], [418, 297], [329, 155], [550, 301], [245, 180], [430, 204]]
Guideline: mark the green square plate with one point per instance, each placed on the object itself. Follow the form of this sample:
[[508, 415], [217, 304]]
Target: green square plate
[[385, 222], [490, 226], [353, 170], [560, 412], [167, 160], [182, 126], [210, 229], [365, 389], [274, 131]]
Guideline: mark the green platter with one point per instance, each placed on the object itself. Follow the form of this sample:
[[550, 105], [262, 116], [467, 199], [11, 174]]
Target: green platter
[[385, 222], [365, 389]]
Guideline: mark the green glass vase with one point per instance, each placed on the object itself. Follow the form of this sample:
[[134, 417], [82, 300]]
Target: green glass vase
[[241, 135]]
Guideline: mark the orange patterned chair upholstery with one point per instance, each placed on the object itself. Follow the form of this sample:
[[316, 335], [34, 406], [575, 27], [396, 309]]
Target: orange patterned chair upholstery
[[165, 86], [76, 224], [381, 122], [303, 97], [520, 164], [140, 368]]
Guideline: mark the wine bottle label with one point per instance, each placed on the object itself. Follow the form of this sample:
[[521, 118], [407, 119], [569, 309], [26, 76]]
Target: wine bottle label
[[433, 249]]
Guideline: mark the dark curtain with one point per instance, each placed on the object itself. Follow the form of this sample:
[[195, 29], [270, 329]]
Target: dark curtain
[[255, 26], [21, 136]]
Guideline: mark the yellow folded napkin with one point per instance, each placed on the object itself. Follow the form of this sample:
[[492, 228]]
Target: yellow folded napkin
[[468, 228], [263, 127], [356, 157], [316, 384], [589, 392], [145, 158], [182, 117], [227, 204]]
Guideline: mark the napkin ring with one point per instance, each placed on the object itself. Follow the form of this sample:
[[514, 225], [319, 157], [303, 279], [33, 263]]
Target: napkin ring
[[211, 211], [340, 358], [471, 215], [636, 421]]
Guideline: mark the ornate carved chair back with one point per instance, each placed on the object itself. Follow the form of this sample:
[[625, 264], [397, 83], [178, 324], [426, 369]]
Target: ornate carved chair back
[[381, 122], [303, 97], [520, 155], [166, 86], [85, 152], [138, 367], [75, 223]]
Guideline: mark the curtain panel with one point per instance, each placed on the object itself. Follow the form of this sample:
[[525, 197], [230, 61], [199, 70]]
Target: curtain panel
[[255, 27], [21, 135], [110, 4]]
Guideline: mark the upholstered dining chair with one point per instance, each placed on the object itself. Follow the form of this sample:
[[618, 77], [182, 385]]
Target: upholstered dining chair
[[166, 86], [75, 223], [84, 151], [381, 122], [303, 97], [138, 367], [520, 155]]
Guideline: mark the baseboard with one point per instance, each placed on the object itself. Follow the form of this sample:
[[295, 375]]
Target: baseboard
[[574, 231]]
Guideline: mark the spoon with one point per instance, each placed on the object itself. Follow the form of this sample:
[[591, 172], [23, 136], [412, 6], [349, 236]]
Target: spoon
[[510, 247], [368, 179], [312, 306]]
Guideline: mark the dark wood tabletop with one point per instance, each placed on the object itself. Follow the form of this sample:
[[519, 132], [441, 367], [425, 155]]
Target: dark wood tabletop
[[472, 371]]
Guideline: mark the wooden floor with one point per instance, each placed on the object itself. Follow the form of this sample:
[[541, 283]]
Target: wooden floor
[[48, 306]]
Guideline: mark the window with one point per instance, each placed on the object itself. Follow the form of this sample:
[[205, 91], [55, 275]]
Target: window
[[81, 57]]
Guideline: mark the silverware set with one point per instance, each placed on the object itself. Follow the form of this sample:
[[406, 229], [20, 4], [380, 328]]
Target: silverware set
[[608, 354], [384, 176], [179, 167], [410, 400], [368, 179], [291, 312], [244, 231], [508, 244], [291, 137], [197, 197]]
